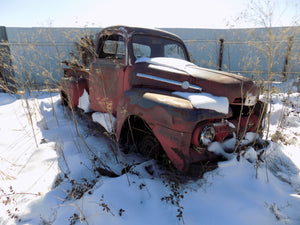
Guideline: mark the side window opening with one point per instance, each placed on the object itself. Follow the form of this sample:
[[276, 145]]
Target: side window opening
[[112, 47]]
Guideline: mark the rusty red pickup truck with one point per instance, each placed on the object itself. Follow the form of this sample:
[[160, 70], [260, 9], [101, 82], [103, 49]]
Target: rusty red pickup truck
[[159, 100]]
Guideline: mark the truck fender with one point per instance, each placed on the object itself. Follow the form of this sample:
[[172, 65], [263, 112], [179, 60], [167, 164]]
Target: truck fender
[[71, 89], [171, 119]]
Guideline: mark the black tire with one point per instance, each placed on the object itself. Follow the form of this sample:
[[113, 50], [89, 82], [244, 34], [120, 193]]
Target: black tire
[[127, 143], [64, 99], [150, 147]]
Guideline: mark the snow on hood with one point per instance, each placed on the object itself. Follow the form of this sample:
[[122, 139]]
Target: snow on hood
[[206, 101], [174, 63]]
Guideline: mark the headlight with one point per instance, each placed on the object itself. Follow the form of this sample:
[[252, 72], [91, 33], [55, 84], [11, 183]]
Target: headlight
[[207, 135]]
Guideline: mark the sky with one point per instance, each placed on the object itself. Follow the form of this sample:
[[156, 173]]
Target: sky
[[151, 13]]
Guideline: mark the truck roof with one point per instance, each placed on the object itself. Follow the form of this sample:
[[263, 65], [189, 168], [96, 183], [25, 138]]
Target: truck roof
[[139, 30]]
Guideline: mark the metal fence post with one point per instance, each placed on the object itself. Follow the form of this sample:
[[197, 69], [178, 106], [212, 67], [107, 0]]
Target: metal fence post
[[286, 63], [221, 53]]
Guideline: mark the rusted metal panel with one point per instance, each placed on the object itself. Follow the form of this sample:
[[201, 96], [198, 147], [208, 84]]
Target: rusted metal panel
[[73, 88]]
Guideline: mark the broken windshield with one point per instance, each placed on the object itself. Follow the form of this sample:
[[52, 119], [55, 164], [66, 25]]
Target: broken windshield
[[154, 46]]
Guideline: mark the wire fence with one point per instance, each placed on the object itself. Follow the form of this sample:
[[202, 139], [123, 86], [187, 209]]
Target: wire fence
[[36, 56], [248, 57]]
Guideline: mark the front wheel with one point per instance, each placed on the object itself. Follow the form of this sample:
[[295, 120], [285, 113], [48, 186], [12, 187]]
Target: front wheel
[[150, 147]]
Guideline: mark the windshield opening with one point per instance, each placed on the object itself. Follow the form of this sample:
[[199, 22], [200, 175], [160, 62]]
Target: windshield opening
[[153, 46]]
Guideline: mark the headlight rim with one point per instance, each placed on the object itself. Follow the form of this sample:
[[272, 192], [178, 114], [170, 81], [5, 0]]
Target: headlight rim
[[206, 138]]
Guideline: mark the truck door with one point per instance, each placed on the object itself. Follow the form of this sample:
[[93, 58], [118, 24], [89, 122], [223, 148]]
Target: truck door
[[107, 74]]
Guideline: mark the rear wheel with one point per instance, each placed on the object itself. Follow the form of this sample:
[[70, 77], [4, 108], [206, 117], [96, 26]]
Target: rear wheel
[[64, 99]]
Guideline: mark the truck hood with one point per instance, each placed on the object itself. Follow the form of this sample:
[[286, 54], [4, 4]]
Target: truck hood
[[180, 75]]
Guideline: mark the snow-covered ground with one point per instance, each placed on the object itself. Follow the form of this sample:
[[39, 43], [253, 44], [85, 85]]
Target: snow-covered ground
[[54, 168]]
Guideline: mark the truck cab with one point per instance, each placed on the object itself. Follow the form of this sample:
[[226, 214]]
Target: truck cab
[[117, 52]]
